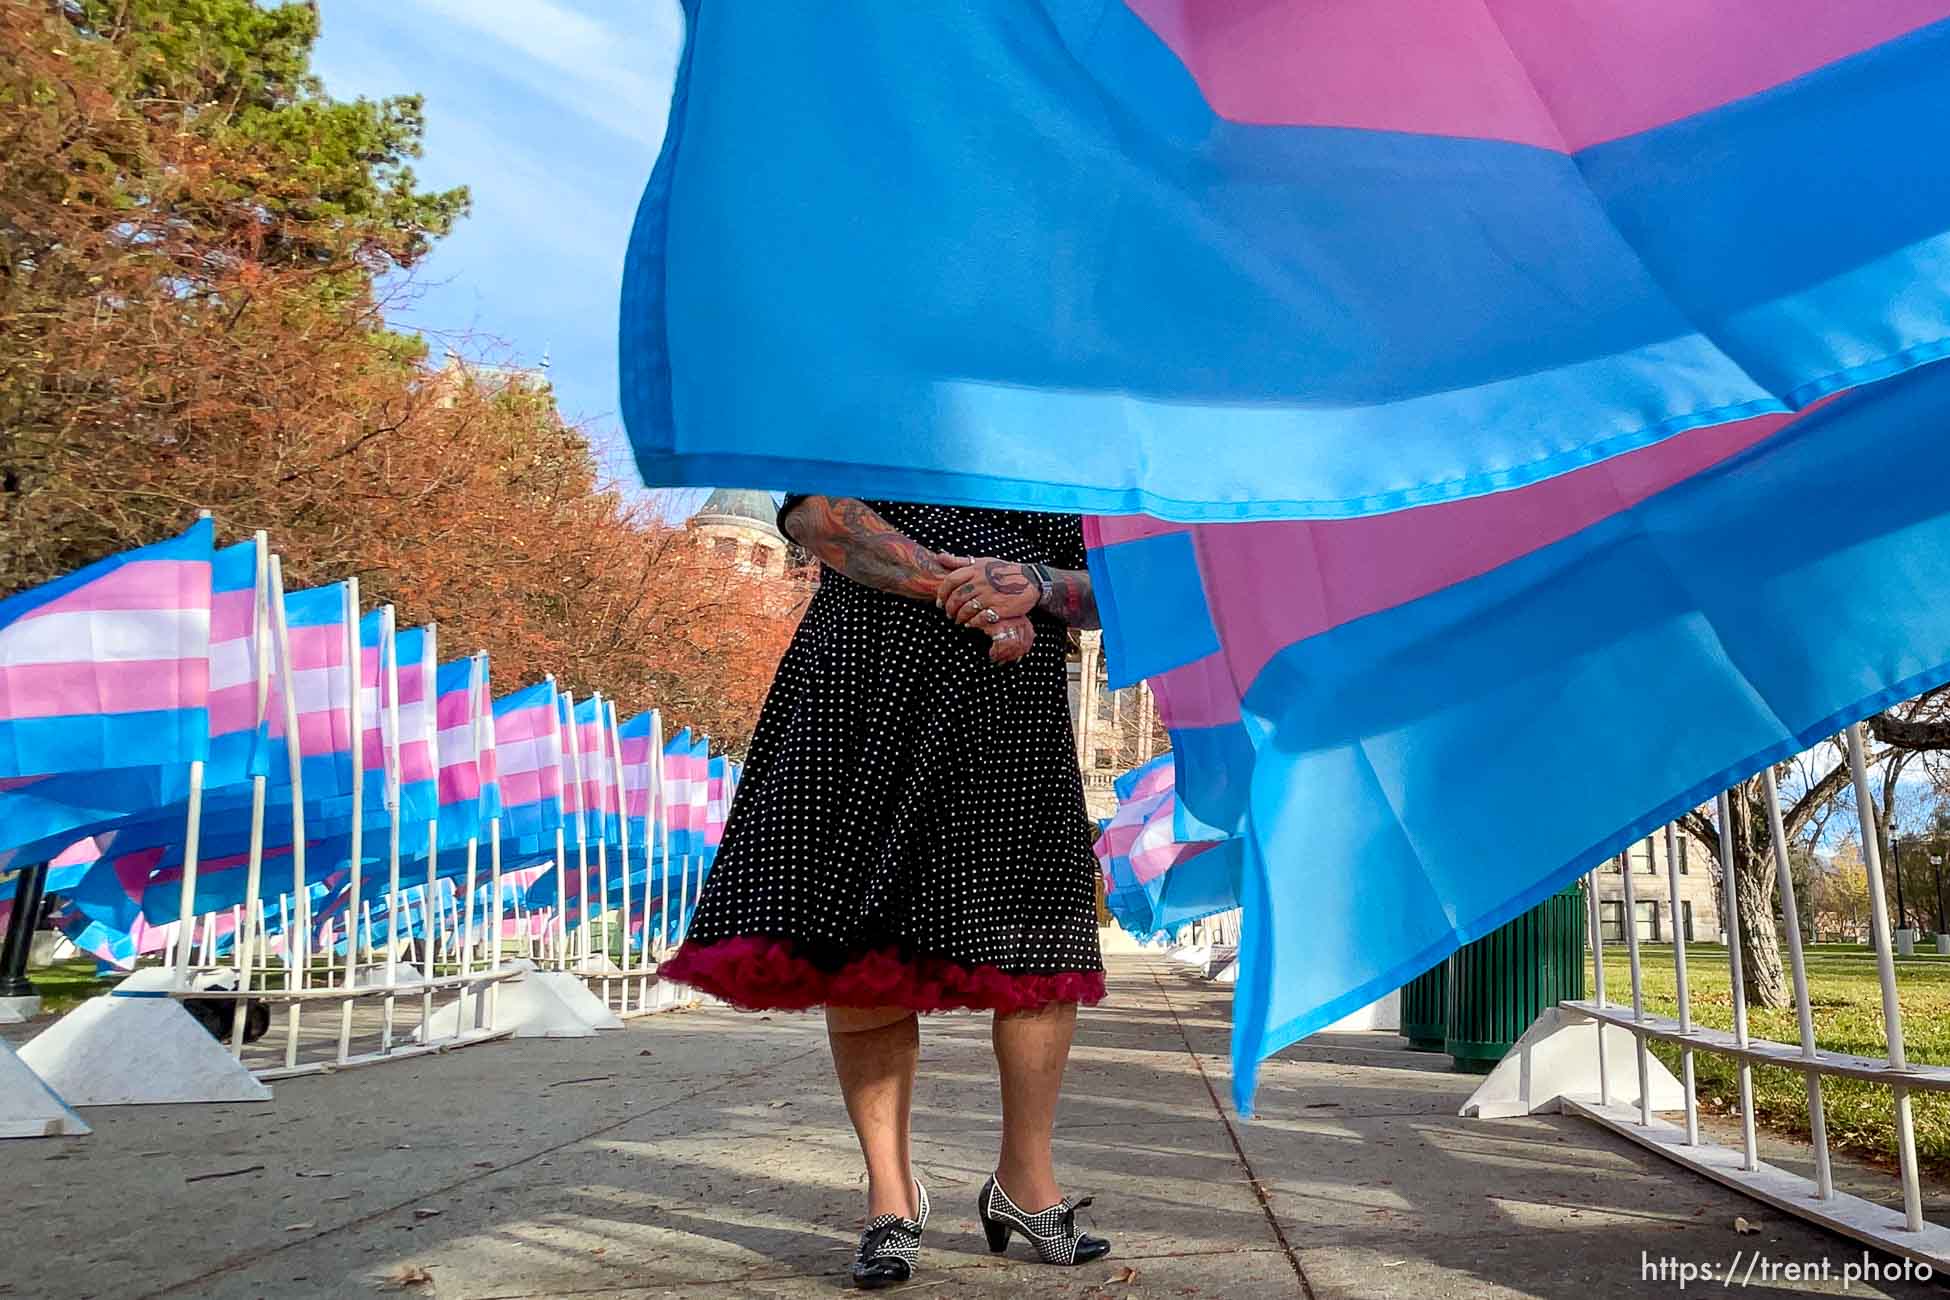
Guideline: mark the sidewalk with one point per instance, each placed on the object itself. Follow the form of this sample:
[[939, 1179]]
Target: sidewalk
[[706, 1153]]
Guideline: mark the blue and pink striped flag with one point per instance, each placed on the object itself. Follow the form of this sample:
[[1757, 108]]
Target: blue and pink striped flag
[[1155, 882], [1238, 259], [460, 688], [109, 667], [527, 749], [1441, 716], [1500, 353]]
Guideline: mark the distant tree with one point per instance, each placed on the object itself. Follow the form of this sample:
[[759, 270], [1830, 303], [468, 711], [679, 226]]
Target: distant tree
[[192, 236]]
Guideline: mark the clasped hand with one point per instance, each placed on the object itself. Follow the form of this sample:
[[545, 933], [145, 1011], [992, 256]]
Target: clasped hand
[[994, 596]]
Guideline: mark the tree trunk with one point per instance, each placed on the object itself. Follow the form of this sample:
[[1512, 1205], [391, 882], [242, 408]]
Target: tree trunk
[[1760, 946], [1753, 866]]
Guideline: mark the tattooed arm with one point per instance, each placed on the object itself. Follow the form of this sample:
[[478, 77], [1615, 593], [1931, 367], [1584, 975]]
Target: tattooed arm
[[978, 586], [848, 535]]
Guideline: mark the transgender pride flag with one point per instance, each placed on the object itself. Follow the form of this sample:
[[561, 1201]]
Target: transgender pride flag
[[1583, 658], [316, 624], [1250, 259], [1153, 881], [527, 749], [109, 667], [459, 688], [239, 628], [680, 804], [598, 781], [1481, 352], [717, 804], [397, 686]]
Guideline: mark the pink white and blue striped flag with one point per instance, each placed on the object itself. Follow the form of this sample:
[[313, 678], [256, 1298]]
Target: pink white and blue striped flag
[[677, 801], [528, 756], [400, 727], [717, 803], [109, 667], [100, 667], [240, 614], [1273, 258], [486, 756], [316, 624], [461, 690], [598, 781]]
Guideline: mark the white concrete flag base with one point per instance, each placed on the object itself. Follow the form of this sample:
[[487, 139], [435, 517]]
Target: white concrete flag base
[[530, 1007], [18, 1011], [123, 1050], [1384, 1013], [663, 996], [576, 996], [1228, 973], [28, 1107], [1556, 1061], [374, 975], [598, 964], [1197, 954]]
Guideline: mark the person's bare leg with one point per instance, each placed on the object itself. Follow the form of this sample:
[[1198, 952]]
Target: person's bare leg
[[1031, 1049], [875, 1052]]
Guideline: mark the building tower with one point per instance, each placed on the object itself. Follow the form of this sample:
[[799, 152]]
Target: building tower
[[743, 527]]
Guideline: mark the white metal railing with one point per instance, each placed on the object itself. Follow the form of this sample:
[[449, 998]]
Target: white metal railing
[[1904, 1233]]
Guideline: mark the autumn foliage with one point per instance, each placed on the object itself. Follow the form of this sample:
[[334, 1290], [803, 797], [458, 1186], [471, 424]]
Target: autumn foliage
[[192, 317]]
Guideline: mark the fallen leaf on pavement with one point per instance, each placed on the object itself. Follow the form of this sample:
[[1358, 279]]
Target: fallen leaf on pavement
[[1745, 1228], [406, 1276], [424, 1213]]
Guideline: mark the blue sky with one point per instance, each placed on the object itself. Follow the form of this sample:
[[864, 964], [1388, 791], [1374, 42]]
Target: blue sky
[[552, 113]]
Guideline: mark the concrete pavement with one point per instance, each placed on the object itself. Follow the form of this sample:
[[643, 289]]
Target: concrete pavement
[[706, 1153]]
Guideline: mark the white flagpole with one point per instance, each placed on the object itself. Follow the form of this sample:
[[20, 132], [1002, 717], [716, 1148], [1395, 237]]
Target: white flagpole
[[582, 828], [355, 712], [429, 699], [602, 783], [622, 842], [389, 751], [253, 877], [295, 771], [663, 832]]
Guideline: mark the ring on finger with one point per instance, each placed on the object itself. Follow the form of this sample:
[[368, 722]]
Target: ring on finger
[[992, 616]]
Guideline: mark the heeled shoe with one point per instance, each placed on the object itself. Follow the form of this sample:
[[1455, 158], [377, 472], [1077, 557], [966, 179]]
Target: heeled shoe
[[891, 1246], [1053, 1232]]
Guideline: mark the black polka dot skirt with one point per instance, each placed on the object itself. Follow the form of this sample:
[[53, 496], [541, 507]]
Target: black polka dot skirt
[[910, 830]]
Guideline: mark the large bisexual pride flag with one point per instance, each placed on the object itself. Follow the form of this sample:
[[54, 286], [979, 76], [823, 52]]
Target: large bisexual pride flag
[[1237, 259]]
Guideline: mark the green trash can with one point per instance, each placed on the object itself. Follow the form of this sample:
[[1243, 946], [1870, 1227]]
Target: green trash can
[[1499, 984], [1425, 1009]]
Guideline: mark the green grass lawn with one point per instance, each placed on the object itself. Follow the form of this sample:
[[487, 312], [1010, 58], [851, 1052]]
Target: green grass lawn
[[1846, 998], [67, 984]]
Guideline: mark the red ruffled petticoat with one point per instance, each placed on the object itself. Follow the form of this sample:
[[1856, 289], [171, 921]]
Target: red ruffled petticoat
[[760, 974]]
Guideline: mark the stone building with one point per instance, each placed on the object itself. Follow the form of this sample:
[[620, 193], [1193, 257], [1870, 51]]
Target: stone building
[[1115, 730], [743, 527], [1699, 917]]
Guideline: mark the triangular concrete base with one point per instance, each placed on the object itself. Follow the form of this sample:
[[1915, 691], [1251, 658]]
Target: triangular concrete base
[[28, 1107], [1557, 1059], [1228, 973], [1197, 954], [18, 1011], [529, 1006], [137, 1047], [598, 965], [374, 975], [577, 997]]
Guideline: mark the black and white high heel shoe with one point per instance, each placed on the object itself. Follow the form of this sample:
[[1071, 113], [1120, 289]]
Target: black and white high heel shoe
[[890, 1248], [1053, 1232]]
